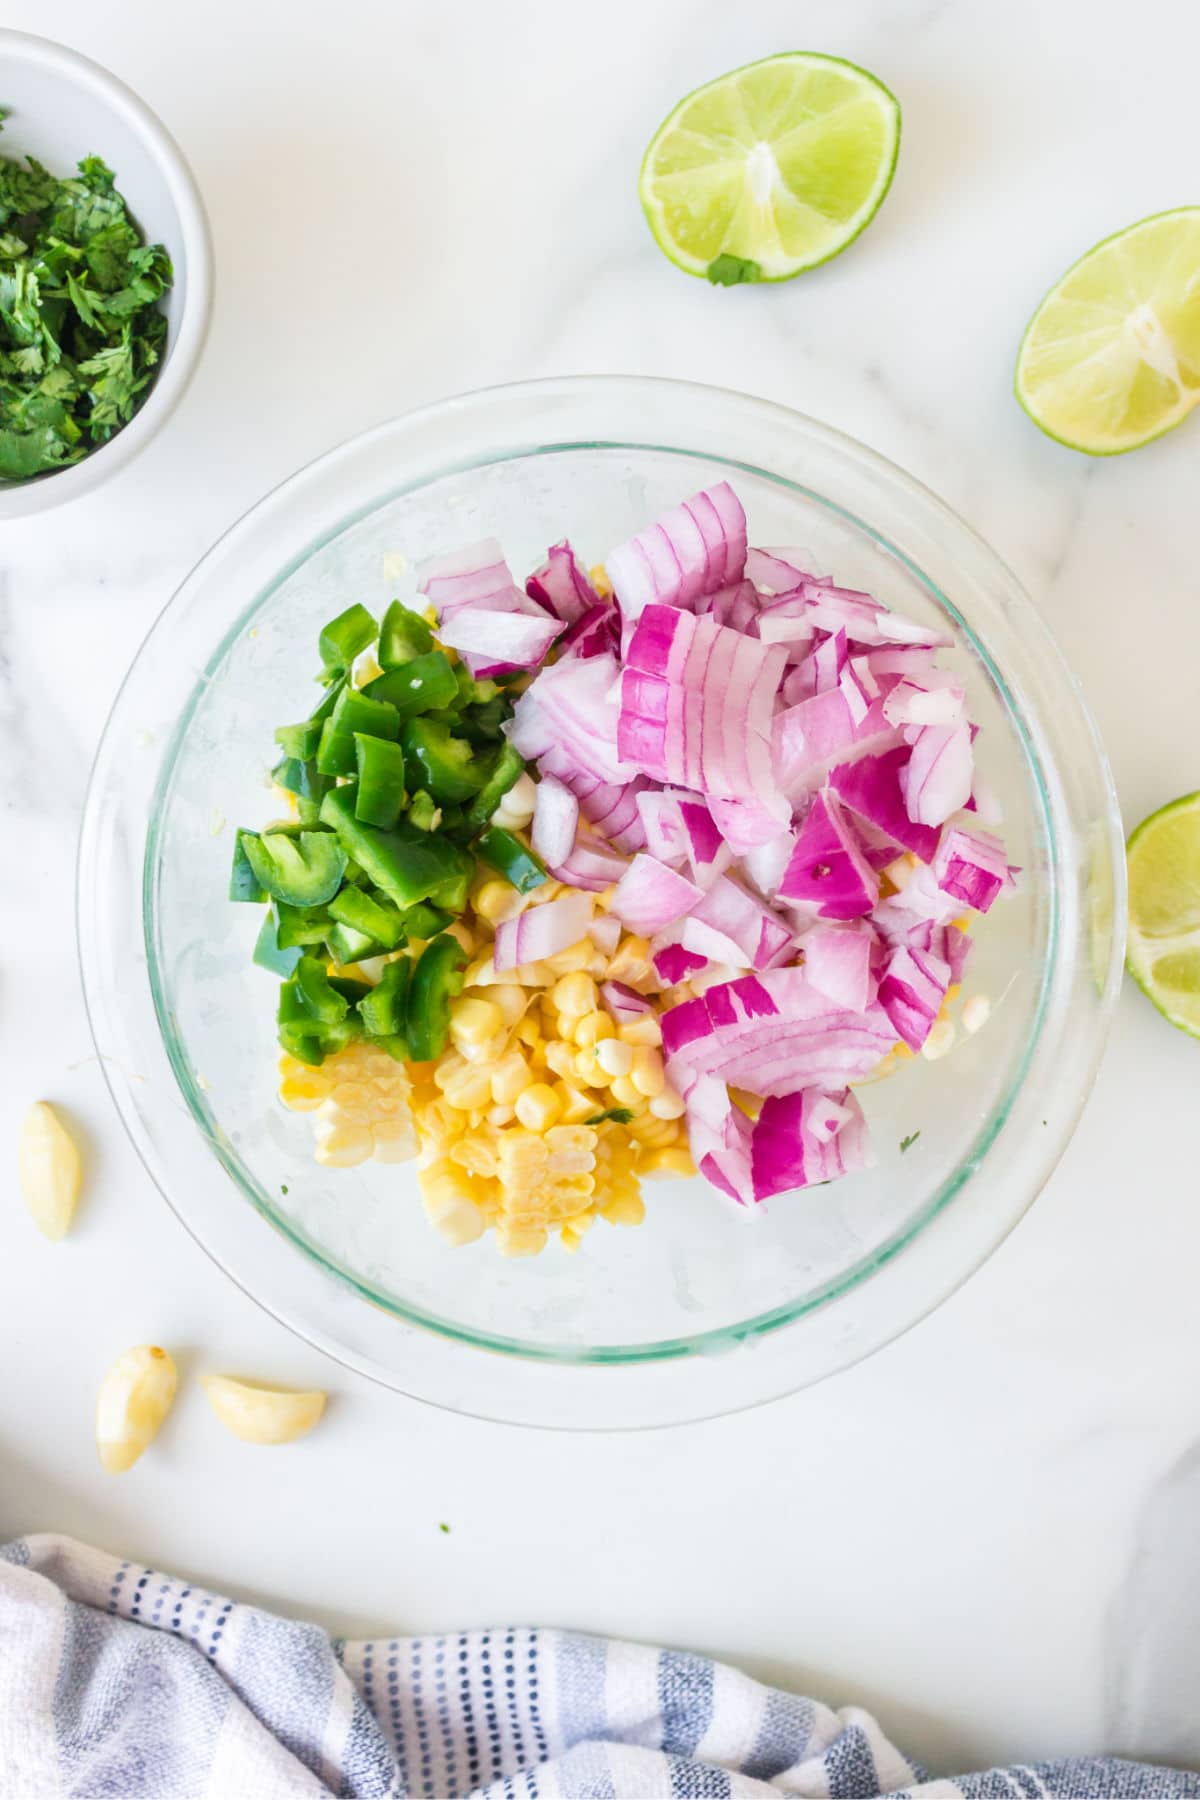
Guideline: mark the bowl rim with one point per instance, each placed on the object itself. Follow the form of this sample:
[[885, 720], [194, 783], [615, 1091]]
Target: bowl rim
[[580, 387], [23, 498]]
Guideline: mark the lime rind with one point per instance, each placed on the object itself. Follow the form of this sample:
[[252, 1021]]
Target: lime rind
[[869, 87], [1146, 952], [1092, 447]]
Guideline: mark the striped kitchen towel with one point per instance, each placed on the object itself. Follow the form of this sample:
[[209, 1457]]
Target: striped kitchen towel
[[123, 1682]]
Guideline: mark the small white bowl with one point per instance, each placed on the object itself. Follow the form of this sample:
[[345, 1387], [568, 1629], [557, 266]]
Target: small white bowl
[[63, 107]]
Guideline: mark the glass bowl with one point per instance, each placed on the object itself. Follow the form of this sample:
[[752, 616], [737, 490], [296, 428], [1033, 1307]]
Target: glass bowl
[[703, 1309]]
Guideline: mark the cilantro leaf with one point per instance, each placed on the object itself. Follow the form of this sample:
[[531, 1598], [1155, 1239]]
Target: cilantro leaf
[[906, 1143], [731, 271], [81, 332], [620, 1115]]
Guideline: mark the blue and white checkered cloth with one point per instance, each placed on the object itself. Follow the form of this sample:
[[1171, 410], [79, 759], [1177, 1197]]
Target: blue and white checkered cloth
[[122, 1682]]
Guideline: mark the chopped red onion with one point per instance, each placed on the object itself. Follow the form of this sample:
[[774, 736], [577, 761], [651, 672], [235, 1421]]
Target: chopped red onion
[[911, 992], [937, 778], [838, 962], [561, 586], [694, 549], [773, 1033], [871, 788], [970, 866], [541, 931], [498, 643], [567, 708], [555, 818], [622, 1003], [650, 895], [828, 865]]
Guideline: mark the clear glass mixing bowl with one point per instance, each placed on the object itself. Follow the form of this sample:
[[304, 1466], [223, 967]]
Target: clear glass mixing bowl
[[702, 1309]]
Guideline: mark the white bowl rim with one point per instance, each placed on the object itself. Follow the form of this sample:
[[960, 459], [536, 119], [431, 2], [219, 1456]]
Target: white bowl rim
[[18, 499]]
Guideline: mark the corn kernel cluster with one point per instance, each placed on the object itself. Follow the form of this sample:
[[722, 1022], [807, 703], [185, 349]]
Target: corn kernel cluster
[[506, 1122]]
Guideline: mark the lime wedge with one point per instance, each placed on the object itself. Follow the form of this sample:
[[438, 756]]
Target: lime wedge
[[771, 169], [1164, 911], [1111, 358]]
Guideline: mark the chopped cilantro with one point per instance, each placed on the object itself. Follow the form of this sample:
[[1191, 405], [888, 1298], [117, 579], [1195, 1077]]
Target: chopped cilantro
[[731, 271], [81, 334], [906, 1143], [444, 1528], [620, 1115], [283, 1187]]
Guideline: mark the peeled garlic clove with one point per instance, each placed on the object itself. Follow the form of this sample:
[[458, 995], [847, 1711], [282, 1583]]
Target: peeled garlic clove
[[135, 1397], [49, 1170], [262, 1415]]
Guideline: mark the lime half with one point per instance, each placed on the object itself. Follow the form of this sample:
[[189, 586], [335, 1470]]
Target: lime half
[[772, 169], [1164, 911], [1111, 358]]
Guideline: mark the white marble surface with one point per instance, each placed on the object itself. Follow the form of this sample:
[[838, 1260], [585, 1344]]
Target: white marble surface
[[989, 1532]]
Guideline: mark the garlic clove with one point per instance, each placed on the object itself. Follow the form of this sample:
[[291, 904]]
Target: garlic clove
[[263, 1415], [135, 1397], [49, 1170]]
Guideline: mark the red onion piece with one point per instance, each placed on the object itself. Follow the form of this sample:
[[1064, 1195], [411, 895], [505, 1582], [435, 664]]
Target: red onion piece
[[555, 818], [828, 866], [838, 963], [622, 1003], [911, 992], [567, 709], [971, 867], [561, 586], [871, 788], [937, 780], [650, 896], [497, 643], [541, 931]]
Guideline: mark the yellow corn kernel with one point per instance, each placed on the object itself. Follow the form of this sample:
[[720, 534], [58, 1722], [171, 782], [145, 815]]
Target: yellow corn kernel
[[304, 1093], [624, 1208], [345, 1146], [471, 1093], [660, 1165], [549, 890], [500, 1115], [497, 901], [511, 999], [455, 1216], [393, 1140], [474, 1021], [509, 1077], [645, 1031], [529, 1032], [659, 1134], [591, 1029], [535, 975], [572, 1141], [482, 973], [475, 1152], [522, 1153], [560, 1058], [463, 935], [667, 1105], [647, 1074], [537, 1108], [574, 1106], [575, 995], [520, 1240], [588, 1070], [598, 576], [625, 1093], [573, 959], [614, 1056], [631, 960]]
